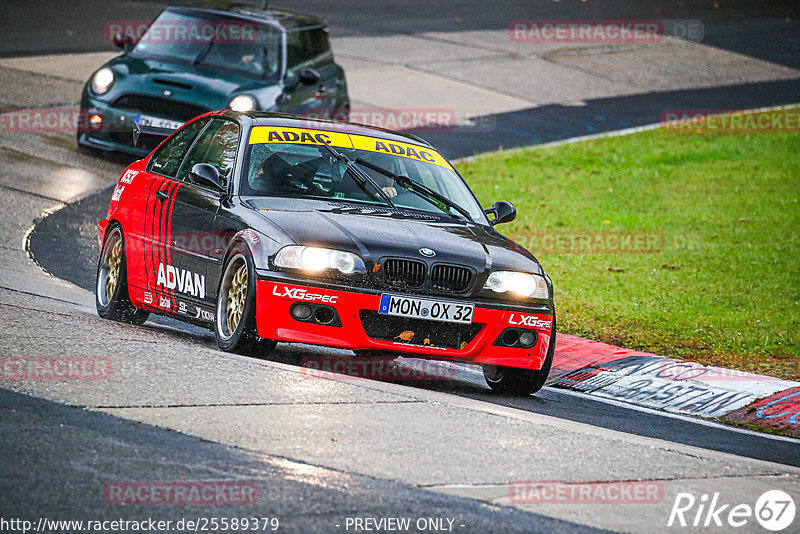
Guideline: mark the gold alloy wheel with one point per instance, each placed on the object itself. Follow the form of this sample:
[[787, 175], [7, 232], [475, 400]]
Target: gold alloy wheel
[[237, 293], [114, 262]]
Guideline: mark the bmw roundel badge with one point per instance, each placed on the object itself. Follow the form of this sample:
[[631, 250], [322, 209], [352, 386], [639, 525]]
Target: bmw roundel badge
[[427, 252]]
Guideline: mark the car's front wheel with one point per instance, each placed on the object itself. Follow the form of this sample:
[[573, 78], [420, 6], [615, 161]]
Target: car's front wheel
[[111, 291], [235, 324], [520, 381]]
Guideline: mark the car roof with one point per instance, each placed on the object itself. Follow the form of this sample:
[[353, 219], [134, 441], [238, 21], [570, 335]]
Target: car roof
[[289, 19], [266, 118]]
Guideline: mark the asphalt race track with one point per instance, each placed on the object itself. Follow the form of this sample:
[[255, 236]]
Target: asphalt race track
[[63, 235], [325, 449]]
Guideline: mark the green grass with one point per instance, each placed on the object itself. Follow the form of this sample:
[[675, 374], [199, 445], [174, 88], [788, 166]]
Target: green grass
[[724, 287]]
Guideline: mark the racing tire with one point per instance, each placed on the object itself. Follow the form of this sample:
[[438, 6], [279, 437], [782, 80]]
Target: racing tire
[[111, 289], [235, 318], [511, 380]]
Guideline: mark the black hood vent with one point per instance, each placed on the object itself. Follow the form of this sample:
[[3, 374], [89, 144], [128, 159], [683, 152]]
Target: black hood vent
[[170, 83]]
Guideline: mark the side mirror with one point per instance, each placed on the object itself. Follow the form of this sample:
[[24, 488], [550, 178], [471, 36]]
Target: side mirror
[[309, 76], [123, 41], [503, 212], [208, 175]]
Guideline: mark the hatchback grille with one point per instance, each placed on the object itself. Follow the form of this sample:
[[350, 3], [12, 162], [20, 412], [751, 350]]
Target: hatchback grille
[[160, 107], [450, 278], [404, 273]]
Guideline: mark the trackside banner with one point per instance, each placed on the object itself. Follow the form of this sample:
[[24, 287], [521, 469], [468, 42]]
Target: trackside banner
[[305, 136]]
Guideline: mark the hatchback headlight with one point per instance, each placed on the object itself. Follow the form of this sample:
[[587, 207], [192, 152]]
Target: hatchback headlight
[[520, 284], [102, 80], [242, 103], [316, 259]]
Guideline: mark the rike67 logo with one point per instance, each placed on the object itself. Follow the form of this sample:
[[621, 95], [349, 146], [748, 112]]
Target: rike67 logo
[[774, 510]]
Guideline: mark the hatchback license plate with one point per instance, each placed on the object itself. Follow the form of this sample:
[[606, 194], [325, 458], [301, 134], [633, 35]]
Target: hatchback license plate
[[157, 122], [434, 310]]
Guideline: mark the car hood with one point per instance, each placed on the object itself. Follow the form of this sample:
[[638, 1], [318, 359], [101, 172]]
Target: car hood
[[377, 233], [203, 86]]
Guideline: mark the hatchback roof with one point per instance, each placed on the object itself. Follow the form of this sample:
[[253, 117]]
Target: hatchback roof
[[287, 18], [266, 118]]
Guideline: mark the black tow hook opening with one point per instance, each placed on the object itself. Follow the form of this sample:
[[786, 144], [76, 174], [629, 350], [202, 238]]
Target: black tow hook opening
[[315, 313], [324, 315], [517, 337]]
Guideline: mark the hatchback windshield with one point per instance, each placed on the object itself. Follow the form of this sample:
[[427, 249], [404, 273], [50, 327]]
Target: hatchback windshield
[[312, 171], [223, 43]]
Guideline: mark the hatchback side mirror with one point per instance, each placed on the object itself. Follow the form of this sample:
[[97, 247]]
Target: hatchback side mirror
[[123, 41], [309, 76], [503, 212], [208, 175]]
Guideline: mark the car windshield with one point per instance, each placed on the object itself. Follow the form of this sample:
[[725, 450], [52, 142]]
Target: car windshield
[[223, 43], [312, 171]]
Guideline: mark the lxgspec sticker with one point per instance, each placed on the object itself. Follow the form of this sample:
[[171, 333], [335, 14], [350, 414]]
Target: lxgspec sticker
[[518, 319], [299, 293], [183, 281]]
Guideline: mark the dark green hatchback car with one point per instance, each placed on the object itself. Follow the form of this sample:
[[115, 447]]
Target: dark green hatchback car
[[194, 59]]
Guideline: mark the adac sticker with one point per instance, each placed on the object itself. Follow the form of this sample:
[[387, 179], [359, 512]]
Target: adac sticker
[[397, 148], [305, 136], [302, 136]]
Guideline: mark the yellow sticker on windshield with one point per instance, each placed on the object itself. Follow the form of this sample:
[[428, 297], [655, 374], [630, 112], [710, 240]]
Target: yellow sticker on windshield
[[397, 148], [303, 136]]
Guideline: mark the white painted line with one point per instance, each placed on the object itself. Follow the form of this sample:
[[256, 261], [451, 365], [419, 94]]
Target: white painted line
[[470, 369], [613, 133], [691, 419]]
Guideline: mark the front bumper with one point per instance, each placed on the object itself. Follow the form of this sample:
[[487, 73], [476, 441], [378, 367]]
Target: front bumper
[[355, 308], [116, 132]]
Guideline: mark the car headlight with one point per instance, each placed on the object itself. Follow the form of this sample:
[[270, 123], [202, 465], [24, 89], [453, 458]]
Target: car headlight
[[316, 259], [242, 103], [102, 80], [520, 284]]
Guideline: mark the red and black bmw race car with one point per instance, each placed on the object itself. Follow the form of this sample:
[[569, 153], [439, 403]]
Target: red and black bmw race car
[[269, 228]]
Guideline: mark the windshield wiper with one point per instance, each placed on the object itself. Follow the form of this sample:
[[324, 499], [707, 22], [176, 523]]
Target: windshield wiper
[[422, 191], [203, 52], [358, 175]]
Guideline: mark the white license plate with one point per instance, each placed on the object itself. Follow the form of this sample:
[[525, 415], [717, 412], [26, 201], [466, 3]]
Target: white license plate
[[435, 310], [157, 122]]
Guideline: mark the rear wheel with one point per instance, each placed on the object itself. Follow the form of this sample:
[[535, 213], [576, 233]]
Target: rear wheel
[[520, 381], [111, 291], [235, 325]]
